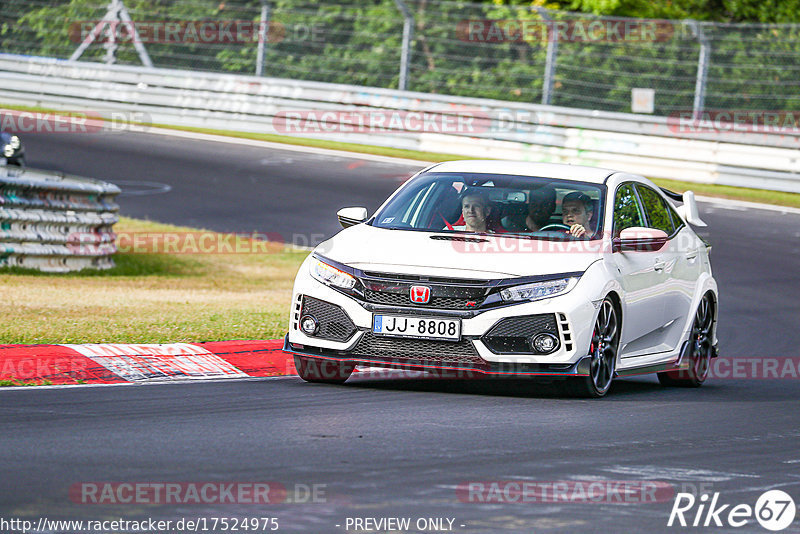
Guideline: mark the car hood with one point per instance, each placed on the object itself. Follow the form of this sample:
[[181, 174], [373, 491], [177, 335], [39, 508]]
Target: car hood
[[369, 248]]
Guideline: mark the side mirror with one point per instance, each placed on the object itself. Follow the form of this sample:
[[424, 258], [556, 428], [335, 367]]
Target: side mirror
[[640, 239], [351, 216]]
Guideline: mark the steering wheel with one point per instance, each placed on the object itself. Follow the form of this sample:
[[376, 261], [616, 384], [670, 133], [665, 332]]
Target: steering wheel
[[554, 226]]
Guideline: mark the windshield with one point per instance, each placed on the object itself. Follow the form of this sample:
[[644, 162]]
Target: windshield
[[502, 204]]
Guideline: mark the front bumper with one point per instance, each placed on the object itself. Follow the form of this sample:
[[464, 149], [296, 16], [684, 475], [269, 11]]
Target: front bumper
[[351, 339], [573, 314], [454, 368]]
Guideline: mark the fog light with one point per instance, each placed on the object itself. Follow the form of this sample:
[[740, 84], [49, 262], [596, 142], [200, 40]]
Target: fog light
[[544, 343], [309, 325], [8, 151]]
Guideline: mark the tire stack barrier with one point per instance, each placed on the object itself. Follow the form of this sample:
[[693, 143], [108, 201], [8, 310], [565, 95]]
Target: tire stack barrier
[[56, 223]]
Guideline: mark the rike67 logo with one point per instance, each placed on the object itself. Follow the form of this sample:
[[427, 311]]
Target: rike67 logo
[[774, 510]]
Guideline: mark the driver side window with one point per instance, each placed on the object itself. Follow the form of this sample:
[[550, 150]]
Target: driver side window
[[627, 211], [656, 209]]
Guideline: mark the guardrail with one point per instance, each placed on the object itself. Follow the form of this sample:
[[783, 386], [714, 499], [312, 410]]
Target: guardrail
[[727, 153], [56, 223]]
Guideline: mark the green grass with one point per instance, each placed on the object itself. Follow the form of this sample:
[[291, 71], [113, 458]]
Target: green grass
[[737, 193], [323, 143], [763, 196], [154, 297], [7, 383]]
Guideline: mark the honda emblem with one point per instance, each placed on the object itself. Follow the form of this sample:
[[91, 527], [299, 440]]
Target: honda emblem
[[420, 294]]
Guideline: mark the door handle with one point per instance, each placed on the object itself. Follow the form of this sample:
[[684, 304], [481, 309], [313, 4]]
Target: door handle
[[692, 254], [659, 265]]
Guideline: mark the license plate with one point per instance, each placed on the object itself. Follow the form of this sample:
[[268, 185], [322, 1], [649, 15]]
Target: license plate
[[417, 327]]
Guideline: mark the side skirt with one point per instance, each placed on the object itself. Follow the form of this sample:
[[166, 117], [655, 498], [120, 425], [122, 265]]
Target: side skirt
[[677, 365]]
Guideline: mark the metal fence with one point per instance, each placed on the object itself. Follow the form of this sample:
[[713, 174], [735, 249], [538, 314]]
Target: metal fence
[[512, 53]]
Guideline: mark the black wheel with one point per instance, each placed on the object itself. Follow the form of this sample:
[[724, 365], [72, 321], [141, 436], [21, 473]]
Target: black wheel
[[322, 371], [603, 350], [697, 352]]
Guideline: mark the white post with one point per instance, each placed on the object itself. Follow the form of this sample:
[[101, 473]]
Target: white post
[[263, 33], [408, 34], [550, 61], [703, 61]]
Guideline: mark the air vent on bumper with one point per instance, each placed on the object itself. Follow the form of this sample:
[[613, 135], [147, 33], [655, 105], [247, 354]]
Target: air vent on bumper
[[516, 334], [333, 323]]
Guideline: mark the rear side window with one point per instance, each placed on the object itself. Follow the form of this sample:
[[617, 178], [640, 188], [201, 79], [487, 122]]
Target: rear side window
[[627, 211], [656, 209]]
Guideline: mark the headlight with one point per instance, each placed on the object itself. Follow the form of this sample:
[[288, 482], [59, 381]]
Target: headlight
[[538, 290], [8, 151], [14, 142], [331, 276]]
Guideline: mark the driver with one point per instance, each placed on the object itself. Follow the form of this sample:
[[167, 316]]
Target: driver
[[475, 210], [576, 212]]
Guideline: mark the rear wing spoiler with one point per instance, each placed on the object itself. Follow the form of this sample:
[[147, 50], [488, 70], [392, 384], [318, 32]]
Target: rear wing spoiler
[[689, 208]]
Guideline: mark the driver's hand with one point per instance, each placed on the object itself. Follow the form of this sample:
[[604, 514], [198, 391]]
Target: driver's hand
[[577, 230]]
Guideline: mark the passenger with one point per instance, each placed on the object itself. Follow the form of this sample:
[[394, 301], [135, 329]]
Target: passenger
[[576, 213], [475, 210], [541, 205], [541, 208]]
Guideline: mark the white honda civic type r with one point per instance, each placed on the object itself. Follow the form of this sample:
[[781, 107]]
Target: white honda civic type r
[[512, 269]]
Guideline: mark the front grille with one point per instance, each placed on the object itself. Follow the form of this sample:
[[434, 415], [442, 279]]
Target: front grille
[[334, 324], [402, 299], [418, 350], [512, 333]]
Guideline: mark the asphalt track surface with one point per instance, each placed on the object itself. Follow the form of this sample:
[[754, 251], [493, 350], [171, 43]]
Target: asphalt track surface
[[396, 446]]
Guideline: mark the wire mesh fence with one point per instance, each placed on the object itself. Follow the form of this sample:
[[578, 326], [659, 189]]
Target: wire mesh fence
[[510, 53]]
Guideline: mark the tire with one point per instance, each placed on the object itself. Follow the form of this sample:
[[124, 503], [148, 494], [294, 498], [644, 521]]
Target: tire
[[697, 351], [322, 371], [603, 349]]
